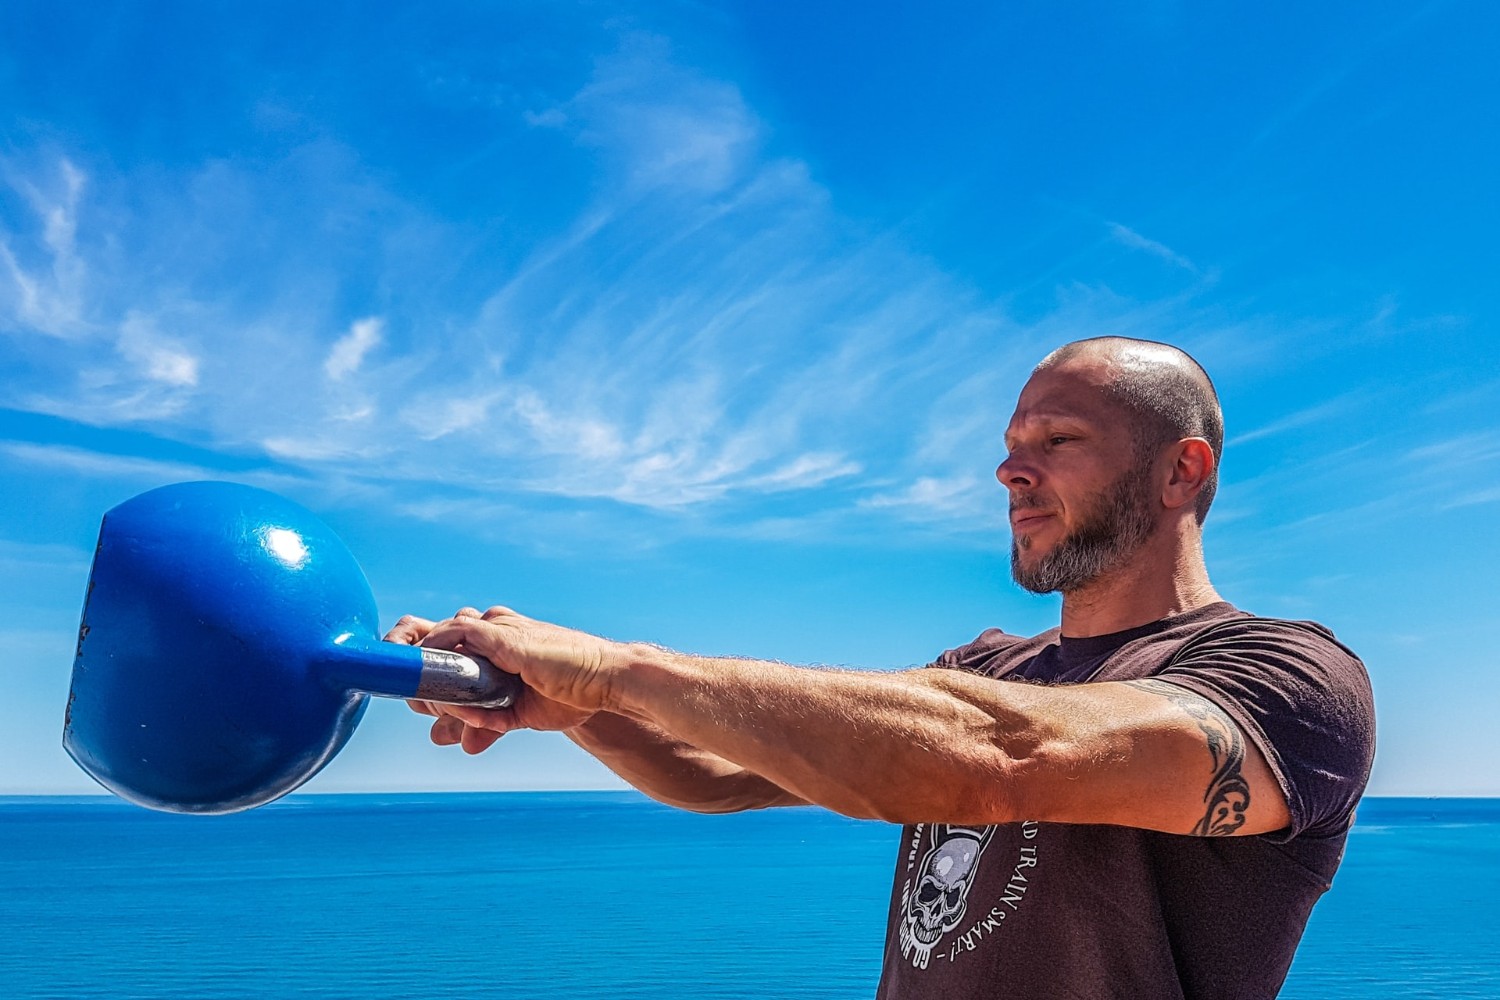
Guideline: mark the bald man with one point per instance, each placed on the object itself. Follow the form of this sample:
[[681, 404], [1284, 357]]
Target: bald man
[[1143, 802]]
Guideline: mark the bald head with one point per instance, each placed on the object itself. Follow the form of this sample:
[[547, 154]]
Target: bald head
[[1167, 395]]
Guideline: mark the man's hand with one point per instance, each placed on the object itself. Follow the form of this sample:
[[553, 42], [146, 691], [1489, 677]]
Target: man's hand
[[501, 636]]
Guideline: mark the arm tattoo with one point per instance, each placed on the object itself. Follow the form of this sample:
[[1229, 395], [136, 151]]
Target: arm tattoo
[[1228, 794]]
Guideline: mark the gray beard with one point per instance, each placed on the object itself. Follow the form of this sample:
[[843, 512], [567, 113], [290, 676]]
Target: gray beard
[[1118, 522]]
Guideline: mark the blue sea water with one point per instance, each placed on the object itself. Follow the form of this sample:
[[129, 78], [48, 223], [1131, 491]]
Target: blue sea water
[[593, 895]]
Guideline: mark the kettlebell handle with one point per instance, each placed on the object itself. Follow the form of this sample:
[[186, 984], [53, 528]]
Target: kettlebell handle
[[396, 670], [460, 679]]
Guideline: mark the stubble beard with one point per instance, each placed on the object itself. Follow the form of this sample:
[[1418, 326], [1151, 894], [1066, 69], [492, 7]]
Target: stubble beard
[[1118, 522]]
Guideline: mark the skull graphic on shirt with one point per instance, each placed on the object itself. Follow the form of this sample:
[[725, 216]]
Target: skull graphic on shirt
[[937, 903]]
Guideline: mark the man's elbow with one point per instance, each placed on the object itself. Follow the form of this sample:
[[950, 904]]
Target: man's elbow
[[983, 787]]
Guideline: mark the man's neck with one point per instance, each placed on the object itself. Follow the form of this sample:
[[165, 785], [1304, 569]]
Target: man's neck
[[1167, 577]]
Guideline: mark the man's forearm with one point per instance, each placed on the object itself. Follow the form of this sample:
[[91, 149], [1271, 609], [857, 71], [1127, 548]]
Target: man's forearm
[[895, 746], [672, 771]]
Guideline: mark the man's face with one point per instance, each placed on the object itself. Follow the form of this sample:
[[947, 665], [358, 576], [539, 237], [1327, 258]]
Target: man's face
[[1081, 501]]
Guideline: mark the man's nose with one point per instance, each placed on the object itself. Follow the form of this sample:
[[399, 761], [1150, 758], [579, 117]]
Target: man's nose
[[1015, 473]]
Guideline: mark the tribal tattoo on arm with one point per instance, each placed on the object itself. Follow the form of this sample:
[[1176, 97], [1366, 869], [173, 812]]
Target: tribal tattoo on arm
[[1227, 797]]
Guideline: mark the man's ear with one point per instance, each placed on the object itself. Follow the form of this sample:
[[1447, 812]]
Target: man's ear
[[1192, 463]]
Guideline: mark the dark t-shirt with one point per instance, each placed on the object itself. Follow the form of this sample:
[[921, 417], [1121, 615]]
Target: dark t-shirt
[[1050, 910]]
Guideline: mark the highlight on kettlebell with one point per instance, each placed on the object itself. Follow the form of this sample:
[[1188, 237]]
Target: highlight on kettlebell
[[227, 648]]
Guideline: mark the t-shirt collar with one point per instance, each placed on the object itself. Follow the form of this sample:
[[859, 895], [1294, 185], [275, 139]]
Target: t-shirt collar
[[1091, 646]]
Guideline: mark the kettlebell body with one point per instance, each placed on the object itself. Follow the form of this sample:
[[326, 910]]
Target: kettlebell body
[[227, 645]]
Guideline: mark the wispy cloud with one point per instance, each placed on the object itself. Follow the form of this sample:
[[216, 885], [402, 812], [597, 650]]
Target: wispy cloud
[[663, 124], [1474, 498], [807, 471], [1464, 450], [23, 559], [1298, 419], [93, 463], [348, 352], [706, 329], [968, 498], [1352, 55], [1135, 241], [148, 472], [47, 278]]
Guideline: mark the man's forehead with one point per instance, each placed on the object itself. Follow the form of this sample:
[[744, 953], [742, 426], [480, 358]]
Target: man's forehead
[[1068, 389]]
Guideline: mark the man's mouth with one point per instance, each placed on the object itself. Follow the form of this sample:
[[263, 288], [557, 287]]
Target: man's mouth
[[1021, 520]]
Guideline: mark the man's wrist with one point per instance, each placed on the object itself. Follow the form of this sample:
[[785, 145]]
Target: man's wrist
[[640, 671]]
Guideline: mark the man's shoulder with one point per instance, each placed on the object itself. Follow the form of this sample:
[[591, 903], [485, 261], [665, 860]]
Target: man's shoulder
[[1238, 629], [1210, 631]]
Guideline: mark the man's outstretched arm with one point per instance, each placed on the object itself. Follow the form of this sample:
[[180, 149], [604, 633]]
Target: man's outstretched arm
[[651, 761], [926, 745]]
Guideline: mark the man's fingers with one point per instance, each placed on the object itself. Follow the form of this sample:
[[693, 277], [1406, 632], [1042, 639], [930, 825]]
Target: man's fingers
[[481, 718], [448, 634], [478, 740], [486, 636], [409, 631], [468, 635], [447, 731], [500, 720]]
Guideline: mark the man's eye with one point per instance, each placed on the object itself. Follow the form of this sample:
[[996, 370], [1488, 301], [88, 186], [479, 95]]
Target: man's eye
[[1058, 439]]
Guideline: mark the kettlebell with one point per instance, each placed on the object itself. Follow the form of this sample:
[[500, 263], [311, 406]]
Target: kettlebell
[[228, 645]]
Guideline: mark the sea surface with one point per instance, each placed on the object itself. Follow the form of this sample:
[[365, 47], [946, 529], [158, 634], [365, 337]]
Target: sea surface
[[595, 895]]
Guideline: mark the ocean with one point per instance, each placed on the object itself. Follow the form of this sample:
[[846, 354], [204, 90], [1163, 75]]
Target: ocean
[[595, 895]]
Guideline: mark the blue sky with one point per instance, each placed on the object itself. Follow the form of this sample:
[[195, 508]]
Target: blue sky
[[700, 324]]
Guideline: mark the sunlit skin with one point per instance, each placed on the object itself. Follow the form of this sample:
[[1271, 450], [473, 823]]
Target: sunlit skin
[[720, 734], [1067, 442]]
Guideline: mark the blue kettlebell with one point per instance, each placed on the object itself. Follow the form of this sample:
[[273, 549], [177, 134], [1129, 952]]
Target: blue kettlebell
[[228, 644]]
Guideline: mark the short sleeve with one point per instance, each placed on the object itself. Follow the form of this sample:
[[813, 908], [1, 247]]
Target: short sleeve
[[1302, 698], [963, 657], [991, 653]]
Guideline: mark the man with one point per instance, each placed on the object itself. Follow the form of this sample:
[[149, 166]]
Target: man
[[1144, 802]]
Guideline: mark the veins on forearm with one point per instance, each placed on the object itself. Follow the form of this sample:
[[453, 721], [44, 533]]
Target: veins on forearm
[[1227, 797], [671, 771]]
